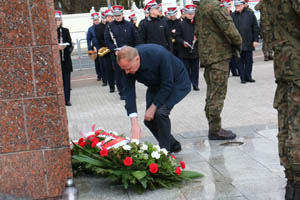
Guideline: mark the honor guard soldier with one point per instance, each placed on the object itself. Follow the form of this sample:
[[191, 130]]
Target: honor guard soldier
[[155, 30], [217, 38], [104, 52], [92, 42], [172, 24], [65, 50], [133, 20], [118, 34], [188, 45]]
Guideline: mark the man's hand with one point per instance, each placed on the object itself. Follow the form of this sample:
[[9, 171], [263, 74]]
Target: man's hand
[[135, 128], [255, 44], [150, 112]]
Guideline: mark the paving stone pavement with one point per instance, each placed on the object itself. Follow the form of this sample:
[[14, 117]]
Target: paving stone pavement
[[234, 172]]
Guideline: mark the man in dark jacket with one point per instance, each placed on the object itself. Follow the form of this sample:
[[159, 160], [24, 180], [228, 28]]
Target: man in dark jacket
[[107, 69], [117, 34], [155, 30], [65, 50], [167, 82], [188, 45], [246, 23]]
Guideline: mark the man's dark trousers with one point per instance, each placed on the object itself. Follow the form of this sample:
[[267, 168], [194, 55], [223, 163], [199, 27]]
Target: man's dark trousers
[[245, 65], [160, 127], [110, 72], [192, 66], [67, 85], [98, 67], [233, 66]]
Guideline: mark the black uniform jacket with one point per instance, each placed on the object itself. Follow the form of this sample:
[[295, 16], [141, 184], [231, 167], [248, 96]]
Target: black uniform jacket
[[155, 30], [66, 63], [185, 31], [164, 74]]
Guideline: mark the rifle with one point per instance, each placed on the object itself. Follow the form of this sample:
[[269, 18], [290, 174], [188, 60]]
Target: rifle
[[112, 36]]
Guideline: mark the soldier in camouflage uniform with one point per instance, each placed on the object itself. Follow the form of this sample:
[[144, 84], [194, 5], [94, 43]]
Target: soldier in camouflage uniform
[[265, 30], [218, 38], [285, 27]]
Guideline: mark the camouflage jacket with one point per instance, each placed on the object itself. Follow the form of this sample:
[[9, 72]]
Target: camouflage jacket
[[264, 16], [285, 25], [216, 33]]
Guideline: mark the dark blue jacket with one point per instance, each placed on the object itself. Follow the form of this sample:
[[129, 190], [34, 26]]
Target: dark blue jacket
[[164, 74], [124, 32], [91, 38]]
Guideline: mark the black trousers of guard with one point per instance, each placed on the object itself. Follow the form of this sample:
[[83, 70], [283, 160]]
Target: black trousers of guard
[[110, 72], [160, 127], [119, 76], [103, 69], [98, 67], [67, 85]]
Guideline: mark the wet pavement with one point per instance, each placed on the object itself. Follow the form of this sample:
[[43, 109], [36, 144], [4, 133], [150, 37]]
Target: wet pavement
[[247, 169]]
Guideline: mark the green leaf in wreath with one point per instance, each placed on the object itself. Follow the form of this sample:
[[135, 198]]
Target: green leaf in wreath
[[144, 183], [190, 174], [139, 174], [89, 160]]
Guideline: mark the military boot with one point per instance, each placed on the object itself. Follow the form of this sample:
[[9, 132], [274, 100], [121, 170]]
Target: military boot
[[296, 190], [221, 135], [289, 190]]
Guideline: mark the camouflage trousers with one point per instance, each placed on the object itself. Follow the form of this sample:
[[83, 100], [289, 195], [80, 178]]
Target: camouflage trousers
[[267, 46], [287, 103], [216, 78]]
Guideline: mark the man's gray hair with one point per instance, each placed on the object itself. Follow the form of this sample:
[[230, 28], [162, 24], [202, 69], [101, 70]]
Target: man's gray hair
[[128, 53]]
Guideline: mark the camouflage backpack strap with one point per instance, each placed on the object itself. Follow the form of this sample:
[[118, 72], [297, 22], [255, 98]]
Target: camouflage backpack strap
[[294, 42]]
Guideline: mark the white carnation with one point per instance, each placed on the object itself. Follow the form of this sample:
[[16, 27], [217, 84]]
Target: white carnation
[[157, 147], [136, 141], [115, 133], [146, 157], [155, 154], [144, 147], [164, 151], [126, 147]]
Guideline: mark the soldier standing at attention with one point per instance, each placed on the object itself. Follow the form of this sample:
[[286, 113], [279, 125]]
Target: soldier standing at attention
[[119, 33], [285, 26], [172, 24], [217, 37], [265, 30]]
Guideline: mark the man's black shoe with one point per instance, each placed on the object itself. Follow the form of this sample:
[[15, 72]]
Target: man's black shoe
[[266, 58], [98, 79], [270, 57], [235, 75], [289, 190], [251, 80], [111, 90], [221, 135], [68, 104], [104, 84], [196, 88], [175, 147], [243, 82]]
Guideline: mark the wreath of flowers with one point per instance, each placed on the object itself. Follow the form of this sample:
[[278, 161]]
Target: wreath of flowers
[[129, 162]]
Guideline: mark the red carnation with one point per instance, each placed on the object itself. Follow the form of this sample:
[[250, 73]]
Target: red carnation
[[103, 152], [82, 144], [91, 137], [128, 161], [80, 140], [182, 164], [153, 168], [97, 132], [178, 171], [172, 156], [94, 142]]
